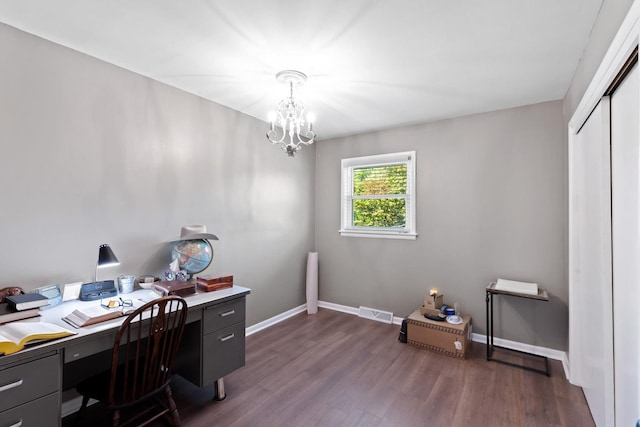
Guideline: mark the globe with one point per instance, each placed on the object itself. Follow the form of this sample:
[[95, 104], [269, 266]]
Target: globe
[[193, 256]]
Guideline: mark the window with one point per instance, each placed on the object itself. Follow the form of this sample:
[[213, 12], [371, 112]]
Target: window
[[378, 196]]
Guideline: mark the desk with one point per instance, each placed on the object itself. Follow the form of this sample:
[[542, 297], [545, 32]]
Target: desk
[[490, 292], [31, 380]]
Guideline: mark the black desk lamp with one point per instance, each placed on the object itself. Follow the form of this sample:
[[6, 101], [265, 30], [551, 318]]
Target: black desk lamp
[[106, 258]]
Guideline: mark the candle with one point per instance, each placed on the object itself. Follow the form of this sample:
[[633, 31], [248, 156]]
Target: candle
[[272, 119], [434, 292], [310, 119]]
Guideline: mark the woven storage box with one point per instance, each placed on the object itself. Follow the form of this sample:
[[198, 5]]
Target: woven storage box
[[441, 337]]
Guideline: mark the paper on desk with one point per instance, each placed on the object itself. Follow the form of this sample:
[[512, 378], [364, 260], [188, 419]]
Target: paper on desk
[[515, 286], [148, 297], [71, 291]]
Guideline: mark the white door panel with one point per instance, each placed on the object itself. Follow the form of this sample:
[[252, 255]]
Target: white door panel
[[592, 334], [625, 160]]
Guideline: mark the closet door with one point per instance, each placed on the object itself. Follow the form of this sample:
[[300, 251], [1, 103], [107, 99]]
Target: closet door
[[591, 333], [625, 188]]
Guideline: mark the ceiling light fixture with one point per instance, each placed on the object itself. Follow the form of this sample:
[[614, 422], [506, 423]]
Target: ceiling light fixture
[[290, 117]]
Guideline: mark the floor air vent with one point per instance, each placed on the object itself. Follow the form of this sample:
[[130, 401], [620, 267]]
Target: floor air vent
[[380, 316]]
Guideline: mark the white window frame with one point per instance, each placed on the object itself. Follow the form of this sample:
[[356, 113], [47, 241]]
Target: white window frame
[[347, 228]]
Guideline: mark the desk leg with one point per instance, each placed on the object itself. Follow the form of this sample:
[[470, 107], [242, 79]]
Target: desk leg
[[489, 325], [220, 393]]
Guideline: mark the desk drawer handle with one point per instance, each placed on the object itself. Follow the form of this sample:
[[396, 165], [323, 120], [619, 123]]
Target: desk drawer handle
[[18, 424], [10, 386], [228, 337], [227, 313]]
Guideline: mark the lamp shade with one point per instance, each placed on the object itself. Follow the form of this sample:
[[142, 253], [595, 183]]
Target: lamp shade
[[106, 257]]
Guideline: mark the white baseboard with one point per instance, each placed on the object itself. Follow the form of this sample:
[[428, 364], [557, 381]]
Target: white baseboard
[[527, 348], [71, 402], [565, 365], [338, 307], [275, 319], [514, 345]]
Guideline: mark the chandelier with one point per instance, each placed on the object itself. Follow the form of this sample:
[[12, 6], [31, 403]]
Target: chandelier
[[289, 118]]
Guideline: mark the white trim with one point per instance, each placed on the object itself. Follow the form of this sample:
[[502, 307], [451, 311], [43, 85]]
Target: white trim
[[379, 235], [565, 364], [408, 232], [71, 402], [339, 307], [575, 346], [625, 40], [527, 348], [275, 319], [514, 345]]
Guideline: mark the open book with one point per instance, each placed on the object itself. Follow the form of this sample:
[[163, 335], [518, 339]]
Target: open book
[[14, 336], [92, 314]]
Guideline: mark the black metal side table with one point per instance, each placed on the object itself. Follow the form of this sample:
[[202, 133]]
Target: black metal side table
[[491, 291]]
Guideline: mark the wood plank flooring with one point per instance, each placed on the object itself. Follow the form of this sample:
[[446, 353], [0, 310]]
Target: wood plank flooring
[[335, 369]]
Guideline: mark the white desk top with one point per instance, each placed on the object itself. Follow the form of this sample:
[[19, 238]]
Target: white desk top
[[55, 314]]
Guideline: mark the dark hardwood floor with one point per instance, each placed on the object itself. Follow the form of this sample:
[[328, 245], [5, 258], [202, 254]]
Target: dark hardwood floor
[[335, 369]]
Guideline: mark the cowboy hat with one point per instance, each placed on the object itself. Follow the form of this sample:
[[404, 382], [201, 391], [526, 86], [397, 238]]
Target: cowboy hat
[[195, 232]]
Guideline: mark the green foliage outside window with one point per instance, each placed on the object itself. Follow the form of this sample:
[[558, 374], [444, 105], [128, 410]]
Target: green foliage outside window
[[387, 181]]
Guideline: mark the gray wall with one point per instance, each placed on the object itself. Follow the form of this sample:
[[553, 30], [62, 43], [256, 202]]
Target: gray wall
[[92, 154], [491, 203]]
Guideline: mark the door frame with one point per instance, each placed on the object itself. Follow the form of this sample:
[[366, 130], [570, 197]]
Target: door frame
[[622, 46]]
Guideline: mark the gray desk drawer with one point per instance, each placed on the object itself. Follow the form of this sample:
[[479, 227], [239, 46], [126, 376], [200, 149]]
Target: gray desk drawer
[[222, 352], [29, 381], [220, 316], [43, 412], [88, 347]]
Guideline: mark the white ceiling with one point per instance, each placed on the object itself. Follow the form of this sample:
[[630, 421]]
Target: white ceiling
[[372, 64]]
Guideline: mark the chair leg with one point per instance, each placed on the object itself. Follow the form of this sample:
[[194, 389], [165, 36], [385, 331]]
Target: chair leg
[[82, 413], [173, 409], [115, 418]]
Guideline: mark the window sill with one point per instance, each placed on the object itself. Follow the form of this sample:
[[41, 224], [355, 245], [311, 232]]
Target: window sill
[[378, 234]]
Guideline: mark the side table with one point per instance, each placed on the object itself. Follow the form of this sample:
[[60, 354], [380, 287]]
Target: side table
[[490, 292]]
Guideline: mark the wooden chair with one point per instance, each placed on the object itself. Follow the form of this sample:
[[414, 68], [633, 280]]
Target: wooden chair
[[144, 352]]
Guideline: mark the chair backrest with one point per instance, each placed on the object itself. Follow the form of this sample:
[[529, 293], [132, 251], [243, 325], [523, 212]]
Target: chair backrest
[[145, 349]]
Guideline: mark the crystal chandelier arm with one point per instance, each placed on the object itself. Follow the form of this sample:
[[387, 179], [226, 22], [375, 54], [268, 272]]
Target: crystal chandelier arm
[[291, 118], [308, 138], [272, 135]]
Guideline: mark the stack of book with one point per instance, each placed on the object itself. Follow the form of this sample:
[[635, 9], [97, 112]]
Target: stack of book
[[22, 306], [211, 283]]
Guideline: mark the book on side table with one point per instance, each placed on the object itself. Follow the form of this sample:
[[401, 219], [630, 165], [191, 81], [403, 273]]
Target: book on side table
[[14, 336]]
